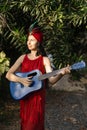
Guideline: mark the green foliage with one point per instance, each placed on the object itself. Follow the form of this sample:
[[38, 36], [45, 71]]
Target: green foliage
[[4, 63], [77, 12], [63, 22]]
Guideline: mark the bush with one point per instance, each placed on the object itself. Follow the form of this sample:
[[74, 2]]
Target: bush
[[4, 63]]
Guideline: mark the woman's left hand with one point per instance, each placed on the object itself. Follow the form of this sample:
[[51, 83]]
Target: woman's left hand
[[65, 70]]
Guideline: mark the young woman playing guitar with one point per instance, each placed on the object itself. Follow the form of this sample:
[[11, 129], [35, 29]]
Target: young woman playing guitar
[[32, 107]]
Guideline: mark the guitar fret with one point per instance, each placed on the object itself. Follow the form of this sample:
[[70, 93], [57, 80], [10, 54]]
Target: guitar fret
[[45, 76]]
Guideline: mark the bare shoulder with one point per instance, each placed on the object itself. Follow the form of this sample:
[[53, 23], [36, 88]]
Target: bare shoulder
[[46, 60], [47, 65], [21, 58], [17, 64]]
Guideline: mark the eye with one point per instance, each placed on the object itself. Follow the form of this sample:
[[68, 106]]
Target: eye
[[31, 40]]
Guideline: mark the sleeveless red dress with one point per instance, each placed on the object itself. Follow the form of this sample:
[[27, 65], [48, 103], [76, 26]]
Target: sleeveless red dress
[[32, 107]]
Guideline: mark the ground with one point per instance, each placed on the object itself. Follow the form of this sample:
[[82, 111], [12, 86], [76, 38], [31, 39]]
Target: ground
[[64, 111]]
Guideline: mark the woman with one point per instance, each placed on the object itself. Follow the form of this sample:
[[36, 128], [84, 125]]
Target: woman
[[32, 107]]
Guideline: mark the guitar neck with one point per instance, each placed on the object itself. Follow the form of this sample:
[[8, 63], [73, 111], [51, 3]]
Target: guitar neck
[[45, 76], [75, 66]]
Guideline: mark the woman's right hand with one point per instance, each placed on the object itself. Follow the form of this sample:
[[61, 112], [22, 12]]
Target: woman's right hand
[[26, 81]]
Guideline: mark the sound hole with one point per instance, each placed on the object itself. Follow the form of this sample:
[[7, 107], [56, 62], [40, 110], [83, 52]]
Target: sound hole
[[32, 74]]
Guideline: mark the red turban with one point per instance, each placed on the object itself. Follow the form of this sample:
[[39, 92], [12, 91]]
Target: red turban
[[37, 34]]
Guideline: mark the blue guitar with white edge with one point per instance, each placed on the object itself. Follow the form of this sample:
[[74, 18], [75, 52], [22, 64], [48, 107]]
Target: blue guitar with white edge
[[18, 91]]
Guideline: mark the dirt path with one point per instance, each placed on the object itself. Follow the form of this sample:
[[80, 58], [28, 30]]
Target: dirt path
[[64, 111]]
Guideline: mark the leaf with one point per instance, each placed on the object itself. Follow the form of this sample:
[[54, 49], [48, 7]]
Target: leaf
[[2, 54], [4, 62]]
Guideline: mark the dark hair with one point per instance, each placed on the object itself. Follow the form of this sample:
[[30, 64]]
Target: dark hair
[[41, 50]]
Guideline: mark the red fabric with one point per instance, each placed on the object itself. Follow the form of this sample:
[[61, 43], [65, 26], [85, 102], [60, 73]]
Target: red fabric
[[37, 34], [32, 107]]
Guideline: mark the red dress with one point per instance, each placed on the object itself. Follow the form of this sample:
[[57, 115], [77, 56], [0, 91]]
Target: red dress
[[32, 107]]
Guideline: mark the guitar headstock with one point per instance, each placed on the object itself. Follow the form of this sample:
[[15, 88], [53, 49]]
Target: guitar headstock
[[78, 65]]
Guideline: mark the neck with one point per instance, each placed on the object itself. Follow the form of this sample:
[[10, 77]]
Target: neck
[[33, 53]]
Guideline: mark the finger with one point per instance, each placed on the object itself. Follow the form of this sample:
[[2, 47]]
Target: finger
[[30, 77], [30, 80]]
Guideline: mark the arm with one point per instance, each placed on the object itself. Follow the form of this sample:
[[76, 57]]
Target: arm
[[10, 74], [48, 69], [12, 77]]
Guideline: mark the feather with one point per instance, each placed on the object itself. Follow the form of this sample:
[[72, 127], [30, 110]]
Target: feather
[[32, 26]]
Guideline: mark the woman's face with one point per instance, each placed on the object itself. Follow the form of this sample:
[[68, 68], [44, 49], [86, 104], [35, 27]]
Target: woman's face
[[32, 43]]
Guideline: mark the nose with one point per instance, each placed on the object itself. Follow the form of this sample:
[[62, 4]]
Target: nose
[[28, 42]]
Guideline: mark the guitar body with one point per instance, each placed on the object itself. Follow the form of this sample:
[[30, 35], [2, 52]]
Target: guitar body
[[18, 91]]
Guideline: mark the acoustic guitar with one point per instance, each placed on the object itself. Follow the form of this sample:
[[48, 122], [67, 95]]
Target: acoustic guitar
[[18, 91]]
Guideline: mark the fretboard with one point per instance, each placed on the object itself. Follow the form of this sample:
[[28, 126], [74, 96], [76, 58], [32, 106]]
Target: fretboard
[[45, 76]]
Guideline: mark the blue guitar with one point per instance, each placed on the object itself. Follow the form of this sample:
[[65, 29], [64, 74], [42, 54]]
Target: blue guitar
[[18, 91]]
